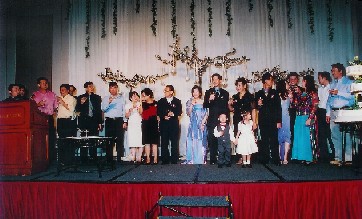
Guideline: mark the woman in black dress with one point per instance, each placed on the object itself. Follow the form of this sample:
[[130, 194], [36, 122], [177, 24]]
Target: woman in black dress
[[150, 135], [240, 102]]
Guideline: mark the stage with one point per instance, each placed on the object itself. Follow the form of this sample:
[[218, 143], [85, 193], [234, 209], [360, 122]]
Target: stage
[[264, 191]]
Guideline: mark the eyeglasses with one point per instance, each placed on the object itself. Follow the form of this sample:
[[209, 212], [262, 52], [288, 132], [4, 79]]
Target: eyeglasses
[[166, 91]]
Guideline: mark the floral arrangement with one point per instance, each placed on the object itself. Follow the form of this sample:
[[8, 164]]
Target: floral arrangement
[[209, 9], [270, 8], [229, 18], [103, 18], [69, 8], [138, 6], [310, 11], [251, 5], [115, 17], [330, 21], [173, 18], [355, 61], [133, 82], [154, 14], [193, 25], [87, 28], [289, 12]]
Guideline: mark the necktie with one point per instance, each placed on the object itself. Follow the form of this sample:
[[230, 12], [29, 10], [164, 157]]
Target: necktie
[[217, 91], [90, 113]]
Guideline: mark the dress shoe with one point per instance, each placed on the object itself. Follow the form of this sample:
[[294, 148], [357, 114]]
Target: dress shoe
[[249, 166], [219, 166], [243, 165], [212, 162]]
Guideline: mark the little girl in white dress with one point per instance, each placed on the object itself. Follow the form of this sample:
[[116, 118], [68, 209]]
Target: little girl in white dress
[[246, 143]]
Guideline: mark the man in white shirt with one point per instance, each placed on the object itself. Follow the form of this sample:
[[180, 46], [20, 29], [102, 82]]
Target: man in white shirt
[[324, 131], [339, 98], [66, 126]]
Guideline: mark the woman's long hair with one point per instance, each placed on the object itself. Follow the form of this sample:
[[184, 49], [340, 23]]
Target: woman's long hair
[[282, 89], [309, 85]]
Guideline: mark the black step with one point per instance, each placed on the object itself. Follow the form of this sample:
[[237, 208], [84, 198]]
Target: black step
[[194, 201]]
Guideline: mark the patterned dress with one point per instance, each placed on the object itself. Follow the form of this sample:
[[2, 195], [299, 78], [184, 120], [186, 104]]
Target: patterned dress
[[304, 144], [196, 138]]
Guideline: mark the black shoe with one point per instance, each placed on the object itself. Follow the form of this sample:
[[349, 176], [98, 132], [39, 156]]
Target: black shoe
[[249, 166], [219, 166], [212, 162], [243, 165], [174, 162], [228, 165]]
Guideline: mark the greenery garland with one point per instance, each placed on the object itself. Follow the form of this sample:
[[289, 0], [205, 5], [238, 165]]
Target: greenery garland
[[87, 27], [193, 25], [270, 8], [330, 20], [103, 18], [138, 6], [209, 9], [228, 15], [154, 14], [251, 5], [69, 8], [310, 11], [173, 18], [115, 17], [289, 12]]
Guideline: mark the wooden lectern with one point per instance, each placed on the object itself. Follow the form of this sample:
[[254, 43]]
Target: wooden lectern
[[23, 139]]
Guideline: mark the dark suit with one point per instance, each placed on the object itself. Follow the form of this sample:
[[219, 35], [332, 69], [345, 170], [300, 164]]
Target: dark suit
[[216, 106], [84, 120], [270, 113], [169, 129]]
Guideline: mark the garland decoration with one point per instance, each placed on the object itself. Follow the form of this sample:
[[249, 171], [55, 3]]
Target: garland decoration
[[277, 74], [173, 19], [154, 14], [251, 5], [270, 8], [133, 82], [310, 11], [330, 20], [355, 61], [209, 9], [138, 6], [193, 25], [115, 17], [289, 12], [87, 27], [69, 9], [228, 15], [103, 18]]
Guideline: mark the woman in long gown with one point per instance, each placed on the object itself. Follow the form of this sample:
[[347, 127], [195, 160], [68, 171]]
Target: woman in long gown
[[304, 146], [284, 133], [133, 113], [197, 133]]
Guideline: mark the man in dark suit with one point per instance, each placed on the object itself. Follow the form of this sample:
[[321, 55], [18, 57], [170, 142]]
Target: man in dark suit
[[169, 109], [270, 118], [90, 113], [216, 100]]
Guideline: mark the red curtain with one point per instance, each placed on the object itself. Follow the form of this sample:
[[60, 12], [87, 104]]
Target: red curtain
[[338, 199]]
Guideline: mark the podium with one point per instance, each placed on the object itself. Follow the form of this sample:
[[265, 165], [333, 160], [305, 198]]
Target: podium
[[23, 139]]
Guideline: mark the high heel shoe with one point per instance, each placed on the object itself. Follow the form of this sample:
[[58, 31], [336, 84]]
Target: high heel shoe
[[148, 161]]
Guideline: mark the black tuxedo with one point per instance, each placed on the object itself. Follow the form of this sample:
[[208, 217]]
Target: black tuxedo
[[216, 107], [270, 113], [169, 129], [84, 120]]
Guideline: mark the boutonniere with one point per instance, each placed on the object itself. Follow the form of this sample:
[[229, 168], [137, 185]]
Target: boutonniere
[[272, 96], [173, 105]]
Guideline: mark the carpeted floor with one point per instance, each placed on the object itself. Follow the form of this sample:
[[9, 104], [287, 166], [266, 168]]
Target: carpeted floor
[[177, 173]]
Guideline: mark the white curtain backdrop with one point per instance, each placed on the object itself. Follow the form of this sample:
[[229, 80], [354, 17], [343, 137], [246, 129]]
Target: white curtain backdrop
[[133, 49]]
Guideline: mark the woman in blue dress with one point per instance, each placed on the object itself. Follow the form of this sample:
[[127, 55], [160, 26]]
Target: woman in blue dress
[[284, 132], [197, 132], [304, 147]]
